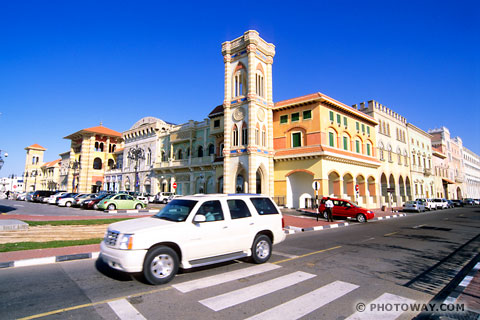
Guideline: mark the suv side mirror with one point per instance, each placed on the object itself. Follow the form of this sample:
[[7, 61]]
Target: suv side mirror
[[199, 218]]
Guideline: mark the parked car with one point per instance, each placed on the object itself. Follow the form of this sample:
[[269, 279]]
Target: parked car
[[346, 209], [428, 203], [162, 197], [67, 200], [476, 201], [468, 201], [414, 205], [53, 198], [21, 196], [457, 203], [173, 196], [227, 227], [143, 199], [93, 203], [38, 196], [29, 196], [79, 200], [120, 201], [441, 203]]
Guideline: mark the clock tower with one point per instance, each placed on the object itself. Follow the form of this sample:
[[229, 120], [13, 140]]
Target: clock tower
[[248, 130]]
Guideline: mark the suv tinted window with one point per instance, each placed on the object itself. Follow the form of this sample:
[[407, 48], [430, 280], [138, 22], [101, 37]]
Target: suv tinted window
[[176, 210], [264, 206], [238, 209], [212, 210]]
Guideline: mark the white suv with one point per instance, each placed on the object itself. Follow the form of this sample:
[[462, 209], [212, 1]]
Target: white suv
[[194, 231], [163, 197], [441, 203], [428, 203]]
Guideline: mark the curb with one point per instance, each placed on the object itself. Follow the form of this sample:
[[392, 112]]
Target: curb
[[133, 211], [48, 260], [451, 299], [390, 217]]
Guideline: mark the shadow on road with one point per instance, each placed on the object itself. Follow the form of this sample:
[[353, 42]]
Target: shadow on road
[[6, 209]]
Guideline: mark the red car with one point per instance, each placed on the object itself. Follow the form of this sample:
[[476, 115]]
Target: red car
[[346, 209]]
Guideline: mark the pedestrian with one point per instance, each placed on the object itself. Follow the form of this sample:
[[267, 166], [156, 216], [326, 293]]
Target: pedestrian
[[8, 194], [328, 208]]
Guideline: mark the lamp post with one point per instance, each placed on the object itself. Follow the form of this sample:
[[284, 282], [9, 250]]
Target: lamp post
[[136, 154], [1, 159], [75, 165]]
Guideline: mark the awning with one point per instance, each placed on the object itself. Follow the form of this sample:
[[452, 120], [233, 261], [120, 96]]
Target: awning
[[448, 181]]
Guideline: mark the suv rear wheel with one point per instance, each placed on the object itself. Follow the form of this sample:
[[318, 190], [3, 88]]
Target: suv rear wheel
[[261, 249], [160, 265]]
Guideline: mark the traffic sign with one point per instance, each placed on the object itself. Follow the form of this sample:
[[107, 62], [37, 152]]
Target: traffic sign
[[174, 185], [356, 187], [316, 185]]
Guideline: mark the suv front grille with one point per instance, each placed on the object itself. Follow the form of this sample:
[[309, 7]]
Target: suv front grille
[[111, 238]]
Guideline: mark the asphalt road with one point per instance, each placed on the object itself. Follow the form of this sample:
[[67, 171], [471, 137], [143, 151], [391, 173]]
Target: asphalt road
[[315, 275]]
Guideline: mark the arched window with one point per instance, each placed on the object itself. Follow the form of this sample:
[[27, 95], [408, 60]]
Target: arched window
[[259, 84], [331, 138], [388, 129], [257, 135], [101, 147], [235, 135], [399, 155], [384, 128], [220, 151], [264, 136], [211, 149], [200, 151], [390, 154], [97, 164], [111, 164], [179, 154], [345, 142], [149, 157], [188, 152], [239, 81], [164, 156], [244, 134], [96, 146], [380, 151]]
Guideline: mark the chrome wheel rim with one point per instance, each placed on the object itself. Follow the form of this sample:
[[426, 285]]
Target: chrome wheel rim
[[263, 249], [162, 266], [361, 218]]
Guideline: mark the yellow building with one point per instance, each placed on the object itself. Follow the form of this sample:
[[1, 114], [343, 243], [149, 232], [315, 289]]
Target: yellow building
[[33, 173], [317, 138], [92, 153]]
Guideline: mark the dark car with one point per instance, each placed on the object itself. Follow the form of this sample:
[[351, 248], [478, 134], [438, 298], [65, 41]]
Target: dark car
[[38, 196], [346, 209], [457, 203], [93, 203]]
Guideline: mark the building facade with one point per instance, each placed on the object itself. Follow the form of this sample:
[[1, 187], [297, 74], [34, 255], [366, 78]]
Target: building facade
[[319, 139], [33, 164], [452, 148], [92, 153], [393, 176], [420, 146], [471, 163]]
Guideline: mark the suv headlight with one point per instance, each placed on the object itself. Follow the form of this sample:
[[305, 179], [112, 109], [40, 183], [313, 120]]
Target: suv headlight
[[126, 242]]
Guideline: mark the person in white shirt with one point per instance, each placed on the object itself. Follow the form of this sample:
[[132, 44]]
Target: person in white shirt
[[328, 208]]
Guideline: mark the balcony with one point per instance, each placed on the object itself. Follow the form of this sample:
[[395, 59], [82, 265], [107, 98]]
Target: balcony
[[185, 163], [427, 171]]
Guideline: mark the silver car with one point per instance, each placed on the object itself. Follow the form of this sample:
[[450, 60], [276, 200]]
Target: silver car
[[414, 206]]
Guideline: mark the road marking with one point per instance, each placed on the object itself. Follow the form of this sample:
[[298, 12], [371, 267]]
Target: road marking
[[87, 305], [284, 254], [18, 205], [233, 298], [125, 310], [390, 234], [307, 303], [93, 304], [223, 278], [419, 226], [307, 254], [368, 239], [371, 312]]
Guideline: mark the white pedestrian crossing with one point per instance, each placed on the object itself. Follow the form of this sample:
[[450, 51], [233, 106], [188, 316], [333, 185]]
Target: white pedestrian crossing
[[385, 307], [224, 277], [252, 292], [303, 305], [125, 311]]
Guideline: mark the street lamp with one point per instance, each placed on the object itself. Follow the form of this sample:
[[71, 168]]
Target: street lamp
[[1, 159], [75, 165], [136, 154]]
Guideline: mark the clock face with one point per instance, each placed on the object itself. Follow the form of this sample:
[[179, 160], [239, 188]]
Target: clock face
[[261, 114], [238, 114]]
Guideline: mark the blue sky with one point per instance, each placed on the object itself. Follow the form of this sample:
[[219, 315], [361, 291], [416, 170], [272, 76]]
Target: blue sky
[[69, 65]]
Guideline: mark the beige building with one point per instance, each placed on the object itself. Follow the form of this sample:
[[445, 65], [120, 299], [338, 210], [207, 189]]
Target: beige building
[[452, 148], [92, 153], [392, 151], [319, 139], [420, 146], [33, 174], [471, 162]]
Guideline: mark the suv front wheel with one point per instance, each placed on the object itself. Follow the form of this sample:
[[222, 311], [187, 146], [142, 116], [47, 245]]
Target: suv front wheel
[[160, 265], [261, 249]]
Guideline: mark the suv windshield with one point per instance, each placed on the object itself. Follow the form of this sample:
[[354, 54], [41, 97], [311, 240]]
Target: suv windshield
[[176, 210]]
